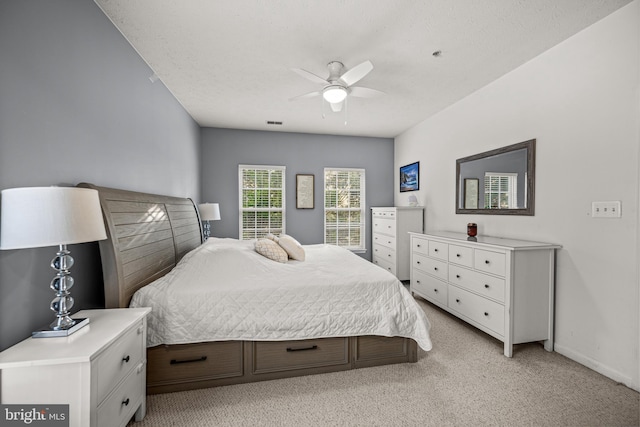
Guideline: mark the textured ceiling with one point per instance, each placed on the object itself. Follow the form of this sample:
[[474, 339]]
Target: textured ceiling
[[229, 62]]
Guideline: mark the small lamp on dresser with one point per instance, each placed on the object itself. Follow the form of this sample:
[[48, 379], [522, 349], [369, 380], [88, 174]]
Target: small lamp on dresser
[[37, 217], [208, 212]]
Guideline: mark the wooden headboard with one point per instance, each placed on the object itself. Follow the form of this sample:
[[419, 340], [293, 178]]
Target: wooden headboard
[[147, 234]]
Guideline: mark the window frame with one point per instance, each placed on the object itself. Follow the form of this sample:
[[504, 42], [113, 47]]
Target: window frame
[[242, 209], [361, 247], [511, 192]]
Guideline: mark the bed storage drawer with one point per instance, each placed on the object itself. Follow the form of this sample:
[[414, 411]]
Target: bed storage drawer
[[273, 356], [212, 360]]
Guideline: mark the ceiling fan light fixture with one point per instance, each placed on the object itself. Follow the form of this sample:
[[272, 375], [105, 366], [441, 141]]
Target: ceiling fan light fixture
[[334, 94]]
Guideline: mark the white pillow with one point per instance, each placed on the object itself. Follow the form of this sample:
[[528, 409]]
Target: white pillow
[[271, 250], [292, 246]]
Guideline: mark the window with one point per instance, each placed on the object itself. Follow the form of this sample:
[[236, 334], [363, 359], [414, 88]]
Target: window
[[344, 205], [262, 201], [500, 190]]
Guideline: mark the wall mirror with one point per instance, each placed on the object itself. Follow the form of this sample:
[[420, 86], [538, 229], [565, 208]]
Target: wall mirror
[[497, 182]]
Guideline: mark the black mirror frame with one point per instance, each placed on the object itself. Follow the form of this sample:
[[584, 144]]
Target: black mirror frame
[[530, 145]]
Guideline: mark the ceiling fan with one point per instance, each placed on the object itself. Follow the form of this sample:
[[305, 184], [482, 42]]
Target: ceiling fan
[[339, 84]]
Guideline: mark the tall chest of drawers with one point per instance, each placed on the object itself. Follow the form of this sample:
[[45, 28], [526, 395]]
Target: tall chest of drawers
[[503, 287], [99, 371], [390, 227]]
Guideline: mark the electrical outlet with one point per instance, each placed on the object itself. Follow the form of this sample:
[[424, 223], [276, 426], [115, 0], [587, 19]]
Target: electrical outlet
[[606, 209]]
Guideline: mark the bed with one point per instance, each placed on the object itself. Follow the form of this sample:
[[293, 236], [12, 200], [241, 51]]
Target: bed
[[270, 323]]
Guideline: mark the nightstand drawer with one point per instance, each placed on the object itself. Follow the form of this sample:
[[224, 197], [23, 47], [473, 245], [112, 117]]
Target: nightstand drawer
[[120, 405], [119, 359]]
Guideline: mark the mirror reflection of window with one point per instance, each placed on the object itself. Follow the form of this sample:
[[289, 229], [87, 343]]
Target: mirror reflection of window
[[500, 190]]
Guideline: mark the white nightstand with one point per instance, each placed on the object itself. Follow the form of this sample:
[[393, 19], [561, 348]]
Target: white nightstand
[[100, 371]]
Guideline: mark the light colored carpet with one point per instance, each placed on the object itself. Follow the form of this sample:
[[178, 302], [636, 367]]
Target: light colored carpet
[[464, 381]]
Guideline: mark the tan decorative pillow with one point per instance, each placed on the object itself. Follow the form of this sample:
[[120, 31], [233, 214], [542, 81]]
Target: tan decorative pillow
[[272, 237], [271, 250], [293, 248]]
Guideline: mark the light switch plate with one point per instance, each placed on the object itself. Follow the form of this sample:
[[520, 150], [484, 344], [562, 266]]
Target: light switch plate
[[611, 209]]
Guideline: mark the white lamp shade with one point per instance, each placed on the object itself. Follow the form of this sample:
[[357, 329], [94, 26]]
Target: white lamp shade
[[49, 216], [209, 211], [334, 94]]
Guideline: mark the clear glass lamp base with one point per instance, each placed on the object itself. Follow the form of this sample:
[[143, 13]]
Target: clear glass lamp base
[[49, 332]]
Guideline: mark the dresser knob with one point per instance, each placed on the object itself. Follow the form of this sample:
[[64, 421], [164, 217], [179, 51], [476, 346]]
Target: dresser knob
[[486, 286], [457, 276], [435, 290], [126, 359], [126, 402], [435, 268], [457, 300], [417, 281], [458, 255], [389, 255], [417, 262], [435, 250], [486, 314], [486, 261], [418, 245]]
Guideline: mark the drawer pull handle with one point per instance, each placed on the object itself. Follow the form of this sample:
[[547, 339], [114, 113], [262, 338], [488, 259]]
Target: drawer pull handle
[[126, 359], [486, 286], [389, 255], [389, 242], [418, 245], [457, 276], [126, 402], [458, 300], [486, 314], [486, 261], [435, 268], [178, 362], [313, 347], [435, 250], [458, 255], [417, 262], [435, 290]]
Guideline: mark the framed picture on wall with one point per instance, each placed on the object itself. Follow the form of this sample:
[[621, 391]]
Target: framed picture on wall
[[304, 191], [471, 193], [410, 177]]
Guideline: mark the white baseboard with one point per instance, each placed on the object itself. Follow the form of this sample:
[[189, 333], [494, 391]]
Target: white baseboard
[[597, 366]]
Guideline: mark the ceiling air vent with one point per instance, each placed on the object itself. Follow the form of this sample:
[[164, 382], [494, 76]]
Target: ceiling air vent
[[274, 123]]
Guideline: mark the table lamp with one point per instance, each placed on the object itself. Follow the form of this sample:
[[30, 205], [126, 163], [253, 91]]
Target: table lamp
[[208, 212], [37, 217]]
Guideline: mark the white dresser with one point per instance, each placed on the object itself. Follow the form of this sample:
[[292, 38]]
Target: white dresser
[[503, 287], [99, 371], [390, 239]]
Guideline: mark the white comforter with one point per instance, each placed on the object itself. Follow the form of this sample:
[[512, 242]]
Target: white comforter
[[224, 290]]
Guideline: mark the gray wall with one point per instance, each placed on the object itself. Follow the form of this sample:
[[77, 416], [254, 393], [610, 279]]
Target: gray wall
[[224, 149], [76, 104]]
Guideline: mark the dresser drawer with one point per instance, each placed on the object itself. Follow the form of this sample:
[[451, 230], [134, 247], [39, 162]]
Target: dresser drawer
[[480, 283], [120, 405], [419, 245], [438, 250], [487, 313], [384, 240], [291, 355], [461, 255], [431, 266], [384, 252], [429, 287], [384, 226], [387, 264], [119, 359], [489, 262]]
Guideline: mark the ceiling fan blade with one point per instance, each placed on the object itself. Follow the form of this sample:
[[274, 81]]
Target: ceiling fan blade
[[365, 92], [306, 95], [336, 107], [308, 75], [356, 73]]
